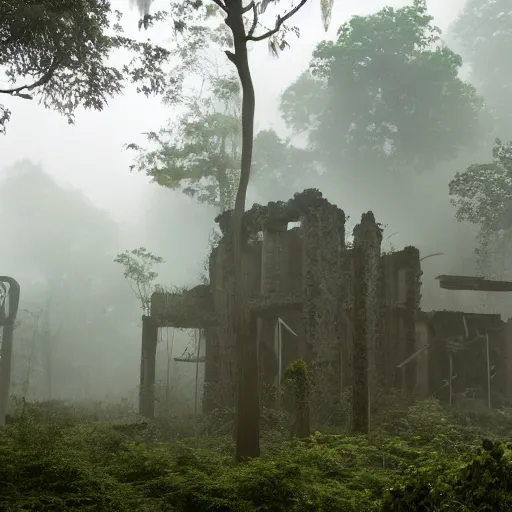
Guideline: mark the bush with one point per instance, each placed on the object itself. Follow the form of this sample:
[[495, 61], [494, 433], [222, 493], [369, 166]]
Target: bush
[[483, 483], [57, 460]]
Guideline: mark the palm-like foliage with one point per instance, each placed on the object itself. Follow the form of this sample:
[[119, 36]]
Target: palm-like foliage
[[260, 7]]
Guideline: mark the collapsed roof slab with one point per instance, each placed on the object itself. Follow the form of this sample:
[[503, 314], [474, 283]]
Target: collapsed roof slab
[[471, 283], [191, 309]]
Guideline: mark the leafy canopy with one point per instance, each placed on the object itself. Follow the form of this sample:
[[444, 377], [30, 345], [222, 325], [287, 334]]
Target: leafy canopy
[[483, 193], [483, 33], [278, 165], [199, 151], [386, 92], [58, 52]]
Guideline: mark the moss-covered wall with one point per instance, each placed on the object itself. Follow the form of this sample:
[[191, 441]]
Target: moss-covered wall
[[346, 305], [311, 264], [323, 242]]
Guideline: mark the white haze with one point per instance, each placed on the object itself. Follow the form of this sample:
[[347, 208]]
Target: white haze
[[89, 156]]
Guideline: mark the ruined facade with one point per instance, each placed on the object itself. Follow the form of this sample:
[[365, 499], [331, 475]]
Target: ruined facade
[[350, 312]]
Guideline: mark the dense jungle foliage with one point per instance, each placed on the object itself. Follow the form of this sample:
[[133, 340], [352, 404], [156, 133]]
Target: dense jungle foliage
[[419, 457], [383, 101]]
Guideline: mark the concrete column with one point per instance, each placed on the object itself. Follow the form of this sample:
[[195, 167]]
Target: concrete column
[[147, 367], [366, 315], [508, 356]]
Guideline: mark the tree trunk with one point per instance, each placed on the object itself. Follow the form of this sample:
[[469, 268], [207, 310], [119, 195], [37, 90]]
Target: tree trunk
[[222, 178], [247, 422], [6, 344], [147, 368]]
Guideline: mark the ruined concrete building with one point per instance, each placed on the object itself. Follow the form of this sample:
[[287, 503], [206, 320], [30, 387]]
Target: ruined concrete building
[[349, 311]]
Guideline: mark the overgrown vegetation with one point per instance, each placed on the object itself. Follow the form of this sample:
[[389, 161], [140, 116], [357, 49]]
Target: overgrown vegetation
[[399, 104], [483, 196], [138, 271], [419, 457]]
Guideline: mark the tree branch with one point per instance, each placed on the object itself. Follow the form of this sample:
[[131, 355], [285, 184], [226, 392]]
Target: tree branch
[[254, 20], [221, 5], [248, 7], [41, 81], [231, 56], [279, 23]]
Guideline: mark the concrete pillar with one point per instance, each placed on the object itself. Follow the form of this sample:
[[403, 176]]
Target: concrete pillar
[[366, 316], [322, 229], [508, 358], [147, 367]]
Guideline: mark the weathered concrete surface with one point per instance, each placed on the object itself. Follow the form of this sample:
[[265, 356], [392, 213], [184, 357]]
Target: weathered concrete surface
[[305, 276], [366, 316], [323, 242], [467, 330], [190, 309]]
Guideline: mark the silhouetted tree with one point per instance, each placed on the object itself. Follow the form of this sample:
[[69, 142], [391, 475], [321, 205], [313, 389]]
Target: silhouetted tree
[[243, 23]]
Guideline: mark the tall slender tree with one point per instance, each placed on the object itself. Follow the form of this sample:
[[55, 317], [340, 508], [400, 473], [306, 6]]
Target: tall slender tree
[[243, 21], [198, 151]]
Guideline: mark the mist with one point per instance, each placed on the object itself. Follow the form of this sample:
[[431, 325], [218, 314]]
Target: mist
[[70, 204]]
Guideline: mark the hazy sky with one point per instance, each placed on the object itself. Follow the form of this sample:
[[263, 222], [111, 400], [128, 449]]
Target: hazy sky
[[89, 154]]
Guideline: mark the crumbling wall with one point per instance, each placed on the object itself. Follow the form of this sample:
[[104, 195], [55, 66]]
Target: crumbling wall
[[304, 276], [463, 336], [410, 291], [400, 274], [323, 241]]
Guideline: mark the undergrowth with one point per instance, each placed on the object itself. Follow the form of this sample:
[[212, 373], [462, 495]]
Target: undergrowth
[[420, 458]]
